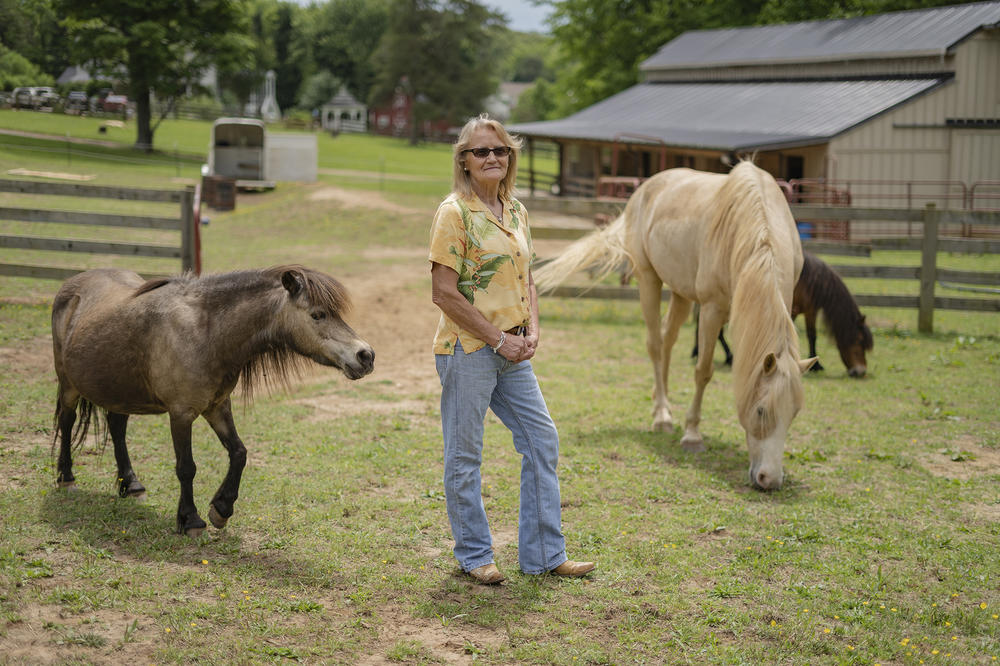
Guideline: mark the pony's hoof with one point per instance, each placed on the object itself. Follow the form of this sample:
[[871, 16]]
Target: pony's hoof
[[663, 426], [68, 486], [693, 443], [140, 496], [192, 528], [218, 521]]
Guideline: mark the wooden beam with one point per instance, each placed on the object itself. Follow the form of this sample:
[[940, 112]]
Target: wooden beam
[[91, 247], [53, 272], [90, 191], [91, 219]]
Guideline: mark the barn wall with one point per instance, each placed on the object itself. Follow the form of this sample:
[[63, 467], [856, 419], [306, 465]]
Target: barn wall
[[920, 141]]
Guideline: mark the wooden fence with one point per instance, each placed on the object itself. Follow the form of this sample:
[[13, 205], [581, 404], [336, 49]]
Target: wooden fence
[[929, 245], [186, 223]]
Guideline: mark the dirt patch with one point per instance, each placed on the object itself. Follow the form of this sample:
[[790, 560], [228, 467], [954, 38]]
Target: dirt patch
[[361, 199], [30, 360], [971, 460], [47, 635], [446, 640]]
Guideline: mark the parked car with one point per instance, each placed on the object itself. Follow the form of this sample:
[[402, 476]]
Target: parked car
[[45, 97], [23, 97], [76, 102], [114, 104]]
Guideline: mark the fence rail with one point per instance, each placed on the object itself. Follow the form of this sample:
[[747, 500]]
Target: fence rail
[[928, 273], [188, 251]]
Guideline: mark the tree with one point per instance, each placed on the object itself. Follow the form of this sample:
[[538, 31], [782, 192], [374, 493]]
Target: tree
[[444, 53], [318, 89], [16, 70], [159, 46], [341, 36], [33, 30]]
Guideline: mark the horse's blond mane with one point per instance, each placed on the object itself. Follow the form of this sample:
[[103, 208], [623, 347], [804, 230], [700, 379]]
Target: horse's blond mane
[[760, 321]]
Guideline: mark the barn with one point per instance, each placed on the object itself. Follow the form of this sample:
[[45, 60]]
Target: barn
[[897, 109]]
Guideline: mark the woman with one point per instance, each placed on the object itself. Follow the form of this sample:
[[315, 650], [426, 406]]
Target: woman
[[481, 274]]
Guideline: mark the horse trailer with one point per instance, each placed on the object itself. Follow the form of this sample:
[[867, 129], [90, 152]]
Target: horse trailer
[[242, 149]]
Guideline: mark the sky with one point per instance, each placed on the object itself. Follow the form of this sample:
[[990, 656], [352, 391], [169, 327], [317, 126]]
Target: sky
[[523, 16]]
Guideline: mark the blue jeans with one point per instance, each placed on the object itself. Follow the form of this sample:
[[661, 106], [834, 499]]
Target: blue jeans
[[471, 383]]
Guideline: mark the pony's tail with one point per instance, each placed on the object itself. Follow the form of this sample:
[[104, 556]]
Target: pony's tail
[[84, 415], [602, 251]]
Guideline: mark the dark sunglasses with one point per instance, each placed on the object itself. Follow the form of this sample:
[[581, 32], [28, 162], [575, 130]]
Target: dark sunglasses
[[482, 153]]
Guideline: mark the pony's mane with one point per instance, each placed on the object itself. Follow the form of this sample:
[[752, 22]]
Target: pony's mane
[[274, 364], [760, 321], [830, 294]]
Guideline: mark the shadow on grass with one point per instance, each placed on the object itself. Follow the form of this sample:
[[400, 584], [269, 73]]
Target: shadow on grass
[[146, 532], [722, 459]]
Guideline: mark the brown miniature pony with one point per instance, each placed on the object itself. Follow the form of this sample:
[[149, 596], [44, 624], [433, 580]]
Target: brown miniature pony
[[820, 288], [179, 346], [729, 243]]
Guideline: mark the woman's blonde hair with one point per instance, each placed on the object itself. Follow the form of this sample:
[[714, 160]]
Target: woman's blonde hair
[[462, 183]]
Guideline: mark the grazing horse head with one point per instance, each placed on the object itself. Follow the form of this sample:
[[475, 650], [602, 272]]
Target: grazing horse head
[[312, 319], [858, 340], [766, 412]]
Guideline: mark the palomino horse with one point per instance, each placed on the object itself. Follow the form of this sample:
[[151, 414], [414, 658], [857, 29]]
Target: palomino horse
[[820, 288], [179, 346], [729, 243]]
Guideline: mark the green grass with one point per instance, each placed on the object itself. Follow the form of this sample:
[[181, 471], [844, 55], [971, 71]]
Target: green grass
[[880, 548]]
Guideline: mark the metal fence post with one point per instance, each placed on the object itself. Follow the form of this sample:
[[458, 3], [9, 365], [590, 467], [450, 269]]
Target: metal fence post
[[188, 246], [928, 269]]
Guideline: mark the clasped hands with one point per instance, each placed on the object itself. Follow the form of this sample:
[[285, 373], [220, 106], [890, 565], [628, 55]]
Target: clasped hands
[[517, 348]]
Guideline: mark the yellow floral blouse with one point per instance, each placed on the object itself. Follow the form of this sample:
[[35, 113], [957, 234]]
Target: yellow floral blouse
[[492, 259]]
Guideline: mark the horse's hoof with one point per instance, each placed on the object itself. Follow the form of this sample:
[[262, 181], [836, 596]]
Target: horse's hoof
[[68, 486], [693, 443], [663, 426], [139, 496], [217, 520], [193, 528]]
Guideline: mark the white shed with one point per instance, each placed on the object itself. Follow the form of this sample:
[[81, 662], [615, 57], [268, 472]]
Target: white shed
[[243, 149]]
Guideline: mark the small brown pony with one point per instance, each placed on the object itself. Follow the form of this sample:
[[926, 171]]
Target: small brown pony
[[729, 243], [178, 346], [820, 288]]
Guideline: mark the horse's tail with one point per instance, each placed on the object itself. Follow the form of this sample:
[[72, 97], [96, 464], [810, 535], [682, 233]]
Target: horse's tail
[[603, 251], [85, 411]]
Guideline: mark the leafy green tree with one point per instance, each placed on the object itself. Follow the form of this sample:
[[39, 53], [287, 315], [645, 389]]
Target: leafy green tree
[[159, 46], [340, 37], [318, 89], [444, 53], [288, 67], [16, 70], [32, 28]]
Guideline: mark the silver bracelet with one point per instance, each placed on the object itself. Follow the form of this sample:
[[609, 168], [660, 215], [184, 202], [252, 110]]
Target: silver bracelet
[[503, 337]]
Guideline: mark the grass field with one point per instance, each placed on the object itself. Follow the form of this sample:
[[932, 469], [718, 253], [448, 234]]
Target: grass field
[[881, 548]]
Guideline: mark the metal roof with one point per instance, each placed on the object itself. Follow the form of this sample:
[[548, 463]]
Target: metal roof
[[733, 116], [897, 34]]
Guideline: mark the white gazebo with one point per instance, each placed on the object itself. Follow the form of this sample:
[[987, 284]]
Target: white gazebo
[[343, 113]]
